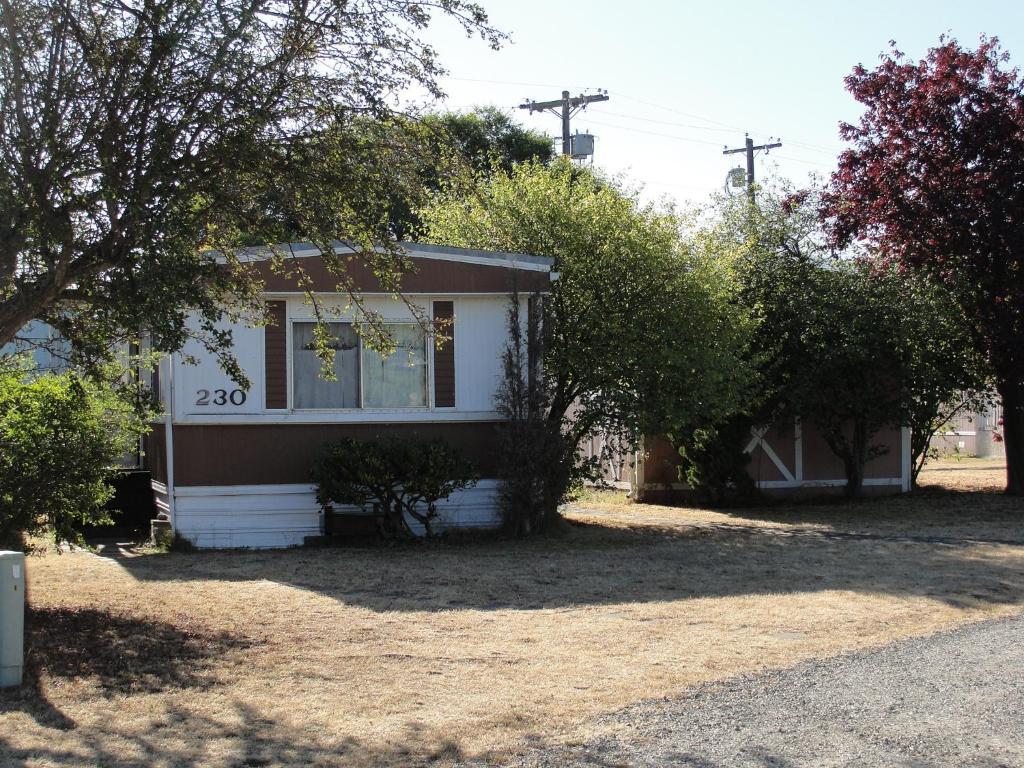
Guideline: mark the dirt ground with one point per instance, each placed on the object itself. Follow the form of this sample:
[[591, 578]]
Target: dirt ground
[[428, 654]]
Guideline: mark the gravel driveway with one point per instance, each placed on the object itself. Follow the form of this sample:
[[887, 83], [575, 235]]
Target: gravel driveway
[[952, 699]]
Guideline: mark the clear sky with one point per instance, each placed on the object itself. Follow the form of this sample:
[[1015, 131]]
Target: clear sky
[[686, 78]]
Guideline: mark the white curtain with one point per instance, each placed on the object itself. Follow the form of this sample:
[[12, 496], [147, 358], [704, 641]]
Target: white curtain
[[399, 380], [309, 390]]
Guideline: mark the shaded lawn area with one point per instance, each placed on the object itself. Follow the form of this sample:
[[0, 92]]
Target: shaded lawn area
[[414, 655], [955, 499]]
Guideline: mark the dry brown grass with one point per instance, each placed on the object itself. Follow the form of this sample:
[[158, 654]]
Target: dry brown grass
[[359, 656], [956, 498]]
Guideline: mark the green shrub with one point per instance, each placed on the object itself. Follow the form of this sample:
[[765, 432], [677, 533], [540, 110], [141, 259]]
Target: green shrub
[[60, 435], [397, 479], [714, 463]]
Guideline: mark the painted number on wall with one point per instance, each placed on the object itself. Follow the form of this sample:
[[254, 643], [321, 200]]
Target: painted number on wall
[[220, 397]]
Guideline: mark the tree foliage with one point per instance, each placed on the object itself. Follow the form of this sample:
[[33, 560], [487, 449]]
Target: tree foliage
[[486, 137], [933, 181], [454, 142], [639, 333], [136, 137], [60, 437], [398, 479], [537, 464], [848, 345]]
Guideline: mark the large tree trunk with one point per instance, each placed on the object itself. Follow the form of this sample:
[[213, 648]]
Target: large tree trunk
[[1013, 436], [855, 459]]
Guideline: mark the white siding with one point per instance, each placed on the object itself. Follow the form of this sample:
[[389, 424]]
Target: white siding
[[191, 381], [480, 337], [269, 516]]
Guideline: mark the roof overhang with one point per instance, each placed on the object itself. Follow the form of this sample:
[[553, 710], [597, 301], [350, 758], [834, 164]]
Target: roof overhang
[[518, 261]]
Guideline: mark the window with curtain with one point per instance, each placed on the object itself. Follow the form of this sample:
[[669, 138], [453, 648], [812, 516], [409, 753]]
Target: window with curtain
[[400, 379], [309, 389], [363, 378]]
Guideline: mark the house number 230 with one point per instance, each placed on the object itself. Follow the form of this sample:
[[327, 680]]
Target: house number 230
[[220, 397]]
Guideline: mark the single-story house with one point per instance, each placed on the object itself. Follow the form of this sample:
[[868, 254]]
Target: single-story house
[[231, 466]]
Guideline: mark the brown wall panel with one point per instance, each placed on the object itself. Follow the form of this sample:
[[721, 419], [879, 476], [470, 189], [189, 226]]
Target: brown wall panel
[[431, 276], [255, 454], [275, 355], [444, 357], [821, 464], [154, 445]]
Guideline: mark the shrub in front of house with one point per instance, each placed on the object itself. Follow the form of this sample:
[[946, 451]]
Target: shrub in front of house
[[399, 480], [60, 434]]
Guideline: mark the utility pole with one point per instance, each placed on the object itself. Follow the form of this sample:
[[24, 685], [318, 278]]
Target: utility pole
[[750, 149], [565, 108]]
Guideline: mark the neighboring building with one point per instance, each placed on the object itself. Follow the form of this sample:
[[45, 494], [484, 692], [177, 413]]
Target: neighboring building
[[789, 458], [231, 466], [41, 342], [973, 434]]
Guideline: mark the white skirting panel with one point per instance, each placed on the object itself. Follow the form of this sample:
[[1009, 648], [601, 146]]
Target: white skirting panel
[[160, 498], [269, 516]]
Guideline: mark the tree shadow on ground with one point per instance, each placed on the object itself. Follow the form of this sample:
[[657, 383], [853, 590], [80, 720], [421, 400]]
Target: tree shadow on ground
[[593, 563], [237, 735], [943, 510], [125, 654], [121, 654]]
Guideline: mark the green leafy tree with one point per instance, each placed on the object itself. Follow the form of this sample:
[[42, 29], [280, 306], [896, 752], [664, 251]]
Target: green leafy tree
[[933, 181], [137, 138], [479, 140], [842, 341], [639, 333], [487, 136], [60, 437]]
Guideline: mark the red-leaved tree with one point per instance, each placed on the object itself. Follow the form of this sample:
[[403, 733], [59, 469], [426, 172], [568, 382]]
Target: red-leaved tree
[[934, 182]]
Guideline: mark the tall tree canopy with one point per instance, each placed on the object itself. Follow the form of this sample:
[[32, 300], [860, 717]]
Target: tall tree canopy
[[486, 137], [641, 334], [935, 183], [137, 136], [482, 139]]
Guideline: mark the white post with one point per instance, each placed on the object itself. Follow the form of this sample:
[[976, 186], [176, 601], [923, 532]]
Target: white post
[[12, 618], [906, 461], [983, 424]]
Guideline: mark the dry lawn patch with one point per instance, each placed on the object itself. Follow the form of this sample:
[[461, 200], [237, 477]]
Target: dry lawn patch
[[955, 499], [360, 656]]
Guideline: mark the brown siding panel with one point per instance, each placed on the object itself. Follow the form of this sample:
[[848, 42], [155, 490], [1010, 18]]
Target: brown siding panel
[[430, 276], [444, 357], [260, 454], [275, 340], [154, 446]]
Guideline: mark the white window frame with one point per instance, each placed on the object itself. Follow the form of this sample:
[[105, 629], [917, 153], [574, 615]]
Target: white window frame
[[428, 371]]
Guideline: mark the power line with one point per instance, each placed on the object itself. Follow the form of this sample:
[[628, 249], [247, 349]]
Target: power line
[[669, 122], [808, 145], [656, 133], [806, 162], [719, 126]]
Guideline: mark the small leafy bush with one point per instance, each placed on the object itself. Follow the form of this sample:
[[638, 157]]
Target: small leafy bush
[[60, 435], [398, 479]]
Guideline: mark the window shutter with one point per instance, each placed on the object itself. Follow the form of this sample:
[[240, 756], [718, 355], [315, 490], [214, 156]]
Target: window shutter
[[444, 357], [275, 357]]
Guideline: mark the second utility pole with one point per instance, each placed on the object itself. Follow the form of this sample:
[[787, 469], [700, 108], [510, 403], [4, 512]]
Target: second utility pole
[[564, 108], [750, 149]]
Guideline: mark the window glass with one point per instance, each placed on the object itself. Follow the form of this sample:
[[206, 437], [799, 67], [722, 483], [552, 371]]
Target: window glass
[[309, 390], [400, 379]]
